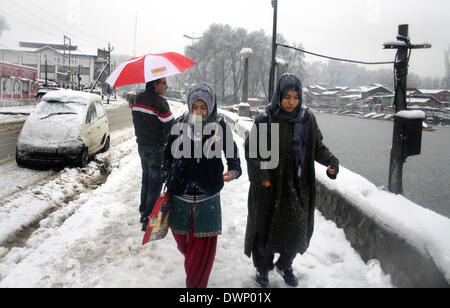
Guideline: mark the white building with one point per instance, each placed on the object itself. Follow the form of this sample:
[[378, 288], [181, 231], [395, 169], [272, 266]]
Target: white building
[[63, 65]]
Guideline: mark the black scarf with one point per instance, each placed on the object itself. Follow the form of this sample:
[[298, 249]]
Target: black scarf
[[299, 117]]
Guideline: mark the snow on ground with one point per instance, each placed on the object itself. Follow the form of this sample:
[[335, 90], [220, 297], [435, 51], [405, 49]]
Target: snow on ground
[[95, 239], [421, 227]]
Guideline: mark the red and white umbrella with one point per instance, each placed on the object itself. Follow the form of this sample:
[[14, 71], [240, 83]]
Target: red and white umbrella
[[149, 67]]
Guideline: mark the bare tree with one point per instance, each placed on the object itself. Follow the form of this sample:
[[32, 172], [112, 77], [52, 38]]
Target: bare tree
[[219, 62], [446, 79], [3, 25]]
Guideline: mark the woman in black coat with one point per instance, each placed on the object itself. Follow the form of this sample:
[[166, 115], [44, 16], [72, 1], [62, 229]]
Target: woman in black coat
[[281, 198], [194, 173]]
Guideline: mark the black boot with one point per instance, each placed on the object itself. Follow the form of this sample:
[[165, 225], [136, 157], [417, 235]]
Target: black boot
[[288, 275], [262, 278], [144, 223], [143, 216]]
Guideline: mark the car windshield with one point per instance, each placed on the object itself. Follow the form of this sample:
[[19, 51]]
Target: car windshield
[[46, 109]]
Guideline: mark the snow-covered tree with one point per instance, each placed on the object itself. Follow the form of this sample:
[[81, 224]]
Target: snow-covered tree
[[446, 79], [219, 62], [3, 25]]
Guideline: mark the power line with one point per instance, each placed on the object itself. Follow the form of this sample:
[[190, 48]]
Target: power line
[[65, 23], [333, 58], [32, 26], [90, 43]]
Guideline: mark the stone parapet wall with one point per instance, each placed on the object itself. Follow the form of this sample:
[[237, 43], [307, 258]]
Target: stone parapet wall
[[407, 266]]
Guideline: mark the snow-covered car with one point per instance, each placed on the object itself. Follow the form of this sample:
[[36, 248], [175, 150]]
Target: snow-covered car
[[67, 127]]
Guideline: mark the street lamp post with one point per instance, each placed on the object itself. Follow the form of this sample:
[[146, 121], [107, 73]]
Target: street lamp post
[[192, 38], [274, 49], [245, 54], [244, 107]]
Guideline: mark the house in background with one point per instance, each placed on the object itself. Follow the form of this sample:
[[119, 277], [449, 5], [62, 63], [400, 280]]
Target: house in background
[[441, 95], [64, 63], [372, 98]]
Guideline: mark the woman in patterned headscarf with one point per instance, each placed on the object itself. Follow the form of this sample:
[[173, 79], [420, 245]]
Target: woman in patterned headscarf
[[282, 199], [195, 178]]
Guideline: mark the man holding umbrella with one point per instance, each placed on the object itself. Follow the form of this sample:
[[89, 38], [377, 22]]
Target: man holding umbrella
[[152, 121]]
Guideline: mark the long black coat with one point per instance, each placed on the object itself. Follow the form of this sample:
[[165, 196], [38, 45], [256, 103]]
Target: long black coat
[[283, 214]]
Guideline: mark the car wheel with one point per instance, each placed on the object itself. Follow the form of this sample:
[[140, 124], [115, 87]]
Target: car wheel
[[107, 143], [19, 161], [84, 158]]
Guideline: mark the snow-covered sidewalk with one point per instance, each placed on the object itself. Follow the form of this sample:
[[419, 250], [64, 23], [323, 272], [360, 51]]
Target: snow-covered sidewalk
[[99, 244]]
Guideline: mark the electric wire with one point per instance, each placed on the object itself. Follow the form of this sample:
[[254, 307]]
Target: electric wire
[[86, 42], [67, 24], [30, 25], [333, 58]]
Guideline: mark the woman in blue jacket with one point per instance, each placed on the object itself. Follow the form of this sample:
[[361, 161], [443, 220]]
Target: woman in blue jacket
[[194, 176]]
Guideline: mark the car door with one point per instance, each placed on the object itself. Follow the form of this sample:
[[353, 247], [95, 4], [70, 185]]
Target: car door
[[102, 122], [92, 129]]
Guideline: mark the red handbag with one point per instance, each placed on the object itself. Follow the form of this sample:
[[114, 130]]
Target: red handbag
[[158, 221]]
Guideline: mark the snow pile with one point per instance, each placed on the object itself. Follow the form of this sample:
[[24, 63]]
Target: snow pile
[[411, 114]]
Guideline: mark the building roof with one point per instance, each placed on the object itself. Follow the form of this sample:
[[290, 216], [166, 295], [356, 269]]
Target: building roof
[[29, 47], [374, 87], [331, 93], [421, 100], [40, 45], [428, 91]]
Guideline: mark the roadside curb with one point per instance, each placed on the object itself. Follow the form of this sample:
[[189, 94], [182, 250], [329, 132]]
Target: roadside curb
[[13, 122]]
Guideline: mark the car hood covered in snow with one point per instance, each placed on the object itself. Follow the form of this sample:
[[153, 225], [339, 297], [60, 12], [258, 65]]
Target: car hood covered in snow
[[52, 129]]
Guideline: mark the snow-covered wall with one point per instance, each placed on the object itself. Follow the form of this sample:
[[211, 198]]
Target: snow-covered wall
[[412, 243]]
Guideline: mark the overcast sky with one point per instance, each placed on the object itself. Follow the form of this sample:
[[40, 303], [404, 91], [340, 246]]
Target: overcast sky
[[354, 29]]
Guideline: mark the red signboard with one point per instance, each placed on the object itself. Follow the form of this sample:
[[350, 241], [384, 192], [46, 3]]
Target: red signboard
[[11, 70]]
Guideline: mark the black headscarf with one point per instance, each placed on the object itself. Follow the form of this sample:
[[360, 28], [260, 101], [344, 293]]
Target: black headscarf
[[298, 117]]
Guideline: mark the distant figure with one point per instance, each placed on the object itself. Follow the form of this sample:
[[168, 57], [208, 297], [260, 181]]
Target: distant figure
[[195, 180], [152, 120], [282, 198]]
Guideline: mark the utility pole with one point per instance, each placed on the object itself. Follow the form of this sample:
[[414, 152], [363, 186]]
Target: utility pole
[[274, 49], [46, 72], [110, 49], [407, 135], [79, 77], [107, 66], [135, 33], [68, 39]]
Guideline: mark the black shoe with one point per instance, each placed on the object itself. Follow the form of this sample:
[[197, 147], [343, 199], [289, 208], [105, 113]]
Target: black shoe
[[143, 217], [144, 224], [262, 278], [288, 276]]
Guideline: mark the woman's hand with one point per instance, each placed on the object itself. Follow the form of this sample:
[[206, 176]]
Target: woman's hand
[[228, 177], [266, 184]]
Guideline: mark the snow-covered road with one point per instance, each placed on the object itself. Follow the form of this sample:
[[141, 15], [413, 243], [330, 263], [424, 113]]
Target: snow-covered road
[[90, 236]]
